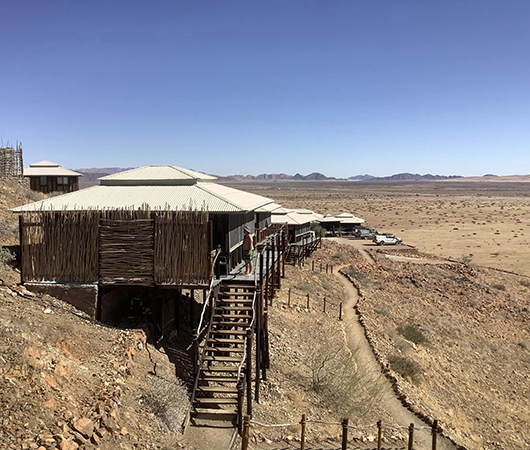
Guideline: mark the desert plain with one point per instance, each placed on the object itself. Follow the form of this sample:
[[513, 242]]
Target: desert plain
[[480, 222]]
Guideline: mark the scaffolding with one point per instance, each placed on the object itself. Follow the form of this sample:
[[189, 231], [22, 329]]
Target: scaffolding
[[11, 163]]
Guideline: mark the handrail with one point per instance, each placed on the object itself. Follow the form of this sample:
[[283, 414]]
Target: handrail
[[217, 253]]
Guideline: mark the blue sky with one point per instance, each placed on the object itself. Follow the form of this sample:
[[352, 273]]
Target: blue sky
[[222, 86]]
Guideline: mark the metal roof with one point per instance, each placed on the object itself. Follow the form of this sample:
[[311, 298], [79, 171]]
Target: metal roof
[[48, 169], [155, 175], [293, 218], [181, 197], [268, 208]]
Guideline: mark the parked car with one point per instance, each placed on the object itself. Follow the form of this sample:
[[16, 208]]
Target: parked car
[[364, 233], [387, 239]]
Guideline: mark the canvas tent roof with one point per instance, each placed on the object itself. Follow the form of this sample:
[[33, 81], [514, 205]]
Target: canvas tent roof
[[194, 194]]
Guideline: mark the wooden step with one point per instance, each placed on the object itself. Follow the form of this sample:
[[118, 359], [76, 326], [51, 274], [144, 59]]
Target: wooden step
[[234, 308], [235, 294], [232, 324], [234, 301], [219, 379], [228, 332], [223, 358], [225, 341], [216, 401], [238, 285], [220, 368], [225, 349], [214, 412], [232, 316], [218, 389]]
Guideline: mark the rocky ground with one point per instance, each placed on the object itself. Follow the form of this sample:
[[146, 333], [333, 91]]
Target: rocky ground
[[68, 383], [457, 338]]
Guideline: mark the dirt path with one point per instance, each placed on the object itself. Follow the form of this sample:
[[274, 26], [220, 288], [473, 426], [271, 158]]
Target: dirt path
[[208, 437], [358, 343], [359, 244]]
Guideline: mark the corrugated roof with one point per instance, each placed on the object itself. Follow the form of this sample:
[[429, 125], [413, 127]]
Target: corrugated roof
[[163, 174], [155, 197], [269, 208], [352, 220], [45, 164], [48, 169], [293, 218], [244, 200]]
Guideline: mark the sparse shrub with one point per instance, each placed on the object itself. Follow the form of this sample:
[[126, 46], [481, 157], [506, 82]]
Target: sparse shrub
[[168, 400], [5, 257], [326, 285], [499, 287], [413, 334], [303, 286], [318, 229], [525, 283], [340, 257], [360, 277], [406, 368]]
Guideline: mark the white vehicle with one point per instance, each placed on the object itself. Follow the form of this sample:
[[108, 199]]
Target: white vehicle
[[387, 239]]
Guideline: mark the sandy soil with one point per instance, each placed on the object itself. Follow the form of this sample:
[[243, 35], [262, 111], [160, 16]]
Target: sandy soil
[[484, 223]]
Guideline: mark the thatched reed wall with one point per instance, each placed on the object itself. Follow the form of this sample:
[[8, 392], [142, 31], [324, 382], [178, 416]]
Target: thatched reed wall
[[60, 247], [178, 238], [116, 247]]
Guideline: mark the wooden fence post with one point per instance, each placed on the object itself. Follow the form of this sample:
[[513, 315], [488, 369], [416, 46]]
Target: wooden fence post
[[289, 298], [331, 269], [284, 251], [324, 305], [302, 436], [320, 267], [264, 346], [379, 434], [240, 396], [344, 434], [21, 234], [434, 433], [273, 274], [340, 311], [195, 353], [246, 433], [267, 271], [312, 266], [248, 374], [259, 309], [411, 436], [308, 302], [326, 268]]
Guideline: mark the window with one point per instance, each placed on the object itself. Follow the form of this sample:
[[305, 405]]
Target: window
[[62, 181], [43, 181]]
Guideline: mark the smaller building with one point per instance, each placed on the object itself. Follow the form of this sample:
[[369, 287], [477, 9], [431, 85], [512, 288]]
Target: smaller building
[[47, 176]]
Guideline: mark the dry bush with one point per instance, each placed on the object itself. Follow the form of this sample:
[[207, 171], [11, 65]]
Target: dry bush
[[413, 334], [168, 400]]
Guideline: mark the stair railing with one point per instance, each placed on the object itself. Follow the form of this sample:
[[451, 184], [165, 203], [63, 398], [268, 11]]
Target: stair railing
[[197, 356]]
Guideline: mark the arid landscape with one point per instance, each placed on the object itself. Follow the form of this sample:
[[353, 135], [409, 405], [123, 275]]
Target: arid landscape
[[485, 223]]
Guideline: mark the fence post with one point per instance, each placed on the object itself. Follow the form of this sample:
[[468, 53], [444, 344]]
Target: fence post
[[308, 302], [332, 269], [326, 268], [246, 433], [302, 437], [340, 311], [379, 434], [344, 434], [411, 436], [21, 234], [240, 395], [195, 353], [273, 274], [259, 309], [248, 374], [312, 266], [284, 251], [320, 267], [289, 298], [267, 271], [324, 305], [434, 433]]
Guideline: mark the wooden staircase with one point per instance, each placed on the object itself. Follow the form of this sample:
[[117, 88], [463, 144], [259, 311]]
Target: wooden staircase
[[216, 394]]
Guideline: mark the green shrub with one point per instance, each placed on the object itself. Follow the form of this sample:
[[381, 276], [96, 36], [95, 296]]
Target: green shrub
[[406, 368], [413, 334], [500, 287], [5, 257], [318, 229]]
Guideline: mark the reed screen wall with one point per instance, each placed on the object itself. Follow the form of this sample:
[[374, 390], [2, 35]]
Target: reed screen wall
[[138, 247]]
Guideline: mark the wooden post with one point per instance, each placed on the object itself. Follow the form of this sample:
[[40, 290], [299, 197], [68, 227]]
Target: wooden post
[[312, 266], [332, 269], [411, 436], [284, 251], [195, 353], [302, 436], [246, 433], [324, 305], [289, 298], [308, 302], [264, 346], [434, 434], [340, 311], [258, 346], [326, 268], [240, 395], [21, 234], [192, 309], [379, 434], [320, 267], [267, 271], [344, 434], [273, 272], [249, 372]]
